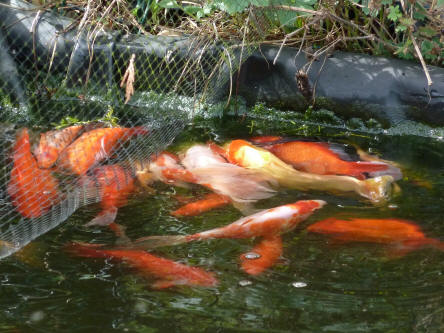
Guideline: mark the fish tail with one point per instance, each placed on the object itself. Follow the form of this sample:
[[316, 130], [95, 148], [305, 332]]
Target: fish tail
[[86, 250], [105, 217], [152, 242], [378, 189]]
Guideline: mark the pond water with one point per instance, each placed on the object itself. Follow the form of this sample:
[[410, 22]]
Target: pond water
[[317, 286]]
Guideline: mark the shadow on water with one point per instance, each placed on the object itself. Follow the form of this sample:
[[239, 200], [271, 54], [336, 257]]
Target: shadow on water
[[317, 286]]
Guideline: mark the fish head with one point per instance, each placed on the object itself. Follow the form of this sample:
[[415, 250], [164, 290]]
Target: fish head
[[308, 206], [243, 153]]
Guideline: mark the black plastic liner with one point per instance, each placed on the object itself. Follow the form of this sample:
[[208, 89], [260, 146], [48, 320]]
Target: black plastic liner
[[352, 85]]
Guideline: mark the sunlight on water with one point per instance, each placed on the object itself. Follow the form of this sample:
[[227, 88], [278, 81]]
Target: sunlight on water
[[318, 284]]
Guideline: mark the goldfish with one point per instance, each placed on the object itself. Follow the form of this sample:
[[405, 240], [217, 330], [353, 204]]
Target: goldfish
[[211, 201], [94, 146], [320, 158], [243, 153], [265, 223], [33, 191], [52, 143], [405, 235], [113, 184], [169, 273], [263, 255]]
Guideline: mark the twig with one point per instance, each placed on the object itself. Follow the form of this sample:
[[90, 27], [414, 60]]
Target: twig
[[421, 59]]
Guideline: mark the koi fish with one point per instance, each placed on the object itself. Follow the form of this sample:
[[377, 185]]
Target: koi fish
[[262, 256], [166, 168], [32, 190], [264, 223], [113, 184], [210, 201], [243, 153], [52, 143], [319, 158], [169, 273], [406, 235], [214, 172], [94, 146]]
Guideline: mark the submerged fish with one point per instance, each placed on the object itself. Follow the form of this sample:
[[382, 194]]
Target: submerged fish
[[52, 143], [210, 201], [243, 153], [113, 184], [405, 235], [166, 168], [33, 191], [321, 158], [169, 273], [265, 223], [263, 255], [94, 146]]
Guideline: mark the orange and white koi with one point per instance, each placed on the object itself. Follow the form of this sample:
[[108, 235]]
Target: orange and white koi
[[405, 235], [169, 273], [94, 146], [52, 143], [243, 153], [213, 171], [265, 223], [33, 191]]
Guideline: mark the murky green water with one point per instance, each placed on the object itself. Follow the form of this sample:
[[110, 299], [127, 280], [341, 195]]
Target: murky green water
[[318, 286]]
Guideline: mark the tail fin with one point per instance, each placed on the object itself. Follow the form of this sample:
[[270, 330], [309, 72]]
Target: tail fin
[[378, 189], [86, 250], [105, 217], [152, 242]]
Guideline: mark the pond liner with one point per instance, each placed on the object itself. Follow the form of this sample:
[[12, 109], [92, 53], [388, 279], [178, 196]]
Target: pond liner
[[351, 85]]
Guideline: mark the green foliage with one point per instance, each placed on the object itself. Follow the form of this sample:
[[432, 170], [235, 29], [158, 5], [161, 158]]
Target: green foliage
[[108, 120]]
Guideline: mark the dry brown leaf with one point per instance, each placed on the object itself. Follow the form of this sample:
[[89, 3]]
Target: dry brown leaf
[[128, 79]]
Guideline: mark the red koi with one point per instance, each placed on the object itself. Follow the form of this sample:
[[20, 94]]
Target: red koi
[[318, 158], [262, 256], [169, 273], [211, 201], [265, 223], [396, 232], [94, 146], [114, 184], [32, 190], [166, 168], [52, 143]]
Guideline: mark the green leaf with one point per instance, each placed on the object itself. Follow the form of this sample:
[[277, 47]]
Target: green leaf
[[427, 31], [394, 13], [386, 2], [168, 4]]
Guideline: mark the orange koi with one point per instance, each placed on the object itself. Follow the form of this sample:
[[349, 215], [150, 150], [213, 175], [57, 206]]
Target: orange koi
[[211, 201], [396, 232], [52, 143], [262, 256], [94, 146], [265, 139], [166, 168], [114, 184], [265, 223], [243, 153], [169, 273], [32, 190]]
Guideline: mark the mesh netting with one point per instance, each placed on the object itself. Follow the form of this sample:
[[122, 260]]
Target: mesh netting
[[83, 106]]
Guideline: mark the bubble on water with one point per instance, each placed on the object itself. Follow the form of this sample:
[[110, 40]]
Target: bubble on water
[[252, 255], [299, 284], [37, 316], [245, 283], [392, 206]]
